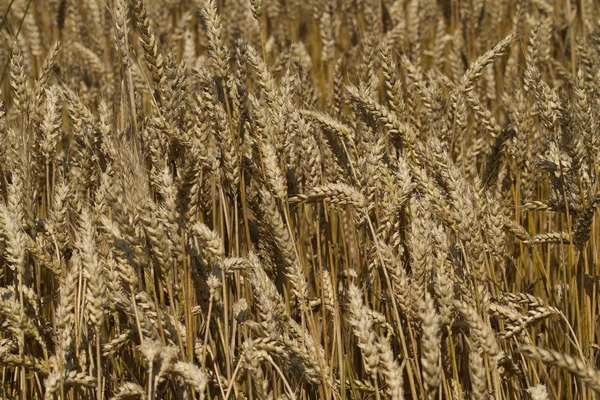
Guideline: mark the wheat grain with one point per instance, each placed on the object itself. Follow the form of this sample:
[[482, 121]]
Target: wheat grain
[[575, 366], [205, 203]]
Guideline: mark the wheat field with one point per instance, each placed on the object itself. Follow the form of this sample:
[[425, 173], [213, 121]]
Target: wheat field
[[321, 199]]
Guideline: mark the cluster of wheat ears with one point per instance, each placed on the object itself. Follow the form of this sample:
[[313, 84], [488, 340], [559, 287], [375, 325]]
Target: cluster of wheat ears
[[322, 199]]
